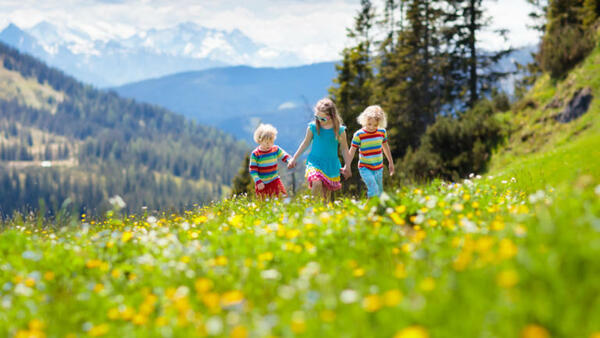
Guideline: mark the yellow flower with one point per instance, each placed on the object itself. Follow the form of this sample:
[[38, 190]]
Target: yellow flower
[[399, 271], [327, 316], [99, 330], [113, 313], [298, 324], [232, 298], [116, 273], [221, 260], [358, 272], [203, 285], [414, 331], [427, 284], [397, 219], [400, 209], [534, 331], [392, 297], [239, 332], [497, 225], [507, 278], [36, 325], [372, 303], [139, 319], [507, 249], [126, 236], [265, 256], [93, 263], [29, 282], [98, 287], [49, 275]]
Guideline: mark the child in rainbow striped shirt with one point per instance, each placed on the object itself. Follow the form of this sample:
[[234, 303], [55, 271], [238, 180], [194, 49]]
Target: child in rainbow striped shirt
[[371, 141], [263, 162]]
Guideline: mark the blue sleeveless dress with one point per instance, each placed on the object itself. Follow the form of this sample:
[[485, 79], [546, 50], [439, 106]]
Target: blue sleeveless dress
[[323, 163]]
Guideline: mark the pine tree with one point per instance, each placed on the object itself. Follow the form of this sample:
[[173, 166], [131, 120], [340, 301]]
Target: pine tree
[[353, 90], [407, 84], [243, 182], [569, 36]]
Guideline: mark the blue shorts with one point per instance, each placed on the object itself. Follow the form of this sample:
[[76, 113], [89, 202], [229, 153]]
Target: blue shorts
[[373, 179]]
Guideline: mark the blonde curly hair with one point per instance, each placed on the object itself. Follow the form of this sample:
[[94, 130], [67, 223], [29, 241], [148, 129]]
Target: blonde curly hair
[[264, 131], [373, 112]]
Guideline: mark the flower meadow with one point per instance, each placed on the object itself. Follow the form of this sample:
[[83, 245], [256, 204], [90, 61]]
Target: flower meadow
[[478, 258]]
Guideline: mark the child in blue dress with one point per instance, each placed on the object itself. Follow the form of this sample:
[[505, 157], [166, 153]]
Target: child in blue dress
[[327, 135]]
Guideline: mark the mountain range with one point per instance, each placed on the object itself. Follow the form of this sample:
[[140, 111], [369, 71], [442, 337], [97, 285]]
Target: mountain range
[[146, 54], [236, 99]]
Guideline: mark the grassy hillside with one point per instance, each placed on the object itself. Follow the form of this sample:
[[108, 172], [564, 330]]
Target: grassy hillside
[[543, 152]]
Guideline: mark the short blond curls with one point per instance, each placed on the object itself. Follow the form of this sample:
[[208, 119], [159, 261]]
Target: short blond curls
[[263, 131], [373, 112]]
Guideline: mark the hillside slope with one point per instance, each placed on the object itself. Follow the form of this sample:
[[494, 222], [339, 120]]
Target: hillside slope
[[542, 151], [61, 140]]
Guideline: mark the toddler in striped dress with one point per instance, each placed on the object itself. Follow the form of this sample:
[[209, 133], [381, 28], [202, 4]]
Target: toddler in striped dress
[[263, 163], [371, 142]]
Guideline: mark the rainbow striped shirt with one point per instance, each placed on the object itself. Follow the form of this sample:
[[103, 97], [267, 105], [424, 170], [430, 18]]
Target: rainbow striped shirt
[[263, 164], [370, 148]]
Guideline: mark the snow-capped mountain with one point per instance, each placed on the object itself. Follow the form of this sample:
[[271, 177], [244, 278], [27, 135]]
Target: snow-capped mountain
[[147, 54]]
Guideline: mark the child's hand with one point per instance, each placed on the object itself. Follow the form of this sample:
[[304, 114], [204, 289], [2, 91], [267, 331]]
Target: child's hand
[[346, 172], [260, 186], [391, 168], [292, 163]]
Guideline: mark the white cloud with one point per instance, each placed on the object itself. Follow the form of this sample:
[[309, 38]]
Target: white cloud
[[287, 105], [314, 30]]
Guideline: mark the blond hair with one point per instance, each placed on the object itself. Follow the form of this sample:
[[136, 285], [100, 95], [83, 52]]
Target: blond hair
[[264, 131], [326, 106], [373, 112]]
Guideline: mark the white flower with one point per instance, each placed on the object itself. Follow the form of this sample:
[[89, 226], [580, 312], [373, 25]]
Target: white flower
[[537, 196], [23, 290], [270, 274], [468, 225], [214, 326], [597, 190], [348, 296], [31, 255], [117, 201], [286, 291]]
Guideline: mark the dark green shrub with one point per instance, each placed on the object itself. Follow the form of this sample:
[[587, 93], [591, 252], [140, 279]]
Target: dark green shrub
[[563, 48], [454, 147]]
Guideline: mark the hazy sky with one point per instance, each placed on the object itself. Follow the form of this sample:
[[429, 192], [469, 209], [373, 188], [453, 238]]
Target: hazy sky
[[314, 29]]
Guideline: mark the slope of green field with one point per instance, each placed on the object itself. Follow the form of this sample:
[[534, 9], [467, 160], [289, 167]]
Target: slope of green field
[[542, 152]]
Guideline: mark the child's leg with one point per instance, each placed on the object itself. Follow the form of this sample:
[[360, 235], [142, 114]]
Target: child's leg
[[379, 180], [369, 179], [317, 188]]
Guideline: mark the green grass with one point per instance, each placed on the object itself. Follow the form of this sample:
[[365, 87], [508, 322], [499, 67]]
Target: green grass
[[461, 260]]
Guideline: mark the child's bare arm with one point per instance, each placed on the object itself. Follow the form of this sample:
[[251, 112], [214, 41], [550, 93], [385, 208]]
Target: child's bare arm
[[351, 153], [305, 143], [346, 155], [388, 155]]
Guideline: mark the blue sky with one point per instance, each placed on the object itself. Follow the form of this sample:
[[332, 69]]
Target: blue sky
[[313, 29]]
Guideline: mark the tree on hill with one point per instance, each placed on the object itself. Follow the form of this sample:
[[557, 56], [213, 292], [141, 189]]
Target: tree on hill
[[243, 182], [569, 34]]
